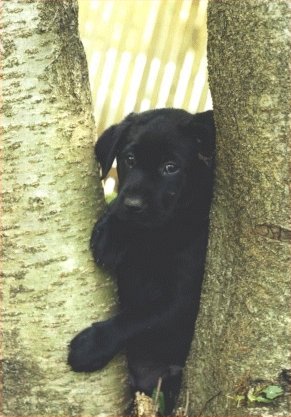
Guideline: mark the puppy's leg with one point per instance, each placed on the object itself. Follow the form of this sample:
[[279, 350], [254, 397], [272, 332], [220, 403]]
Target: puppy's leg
[[171, 384], [108, 241], [149, 374], [94, 347]]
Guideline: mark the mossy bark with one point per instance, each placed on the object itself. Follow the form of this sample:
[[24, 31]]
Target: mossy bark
[[242, 340], [50, 199]]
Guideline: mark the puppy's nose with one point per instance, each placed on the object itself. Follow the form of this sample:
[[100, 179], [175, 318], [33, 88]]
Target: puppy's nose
[[134, 204]]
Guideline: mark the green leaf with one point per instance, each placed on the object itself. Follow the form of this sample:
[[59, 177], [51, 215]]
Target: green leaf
[[266, 395], [260, 399], [272, 391]]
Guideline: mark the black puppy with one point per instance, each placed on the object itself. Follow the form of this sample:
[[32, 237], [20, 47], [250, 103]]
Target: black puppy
[[153, 237]]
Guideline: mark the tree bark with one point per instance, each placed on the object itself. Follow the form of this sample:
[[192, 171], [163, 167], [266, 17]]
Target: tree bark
[[51, 289], [242, 341]]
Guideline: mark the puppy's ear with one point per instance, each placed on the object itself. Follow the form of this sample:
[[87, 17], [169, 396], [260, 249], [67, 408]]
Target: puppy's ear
[[202, 128], [108, 144]]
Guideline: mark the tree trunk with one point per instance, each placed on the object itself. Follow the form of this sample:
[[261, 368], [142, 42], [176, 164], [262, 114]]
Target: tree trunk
[[51, 289], [242, 341]]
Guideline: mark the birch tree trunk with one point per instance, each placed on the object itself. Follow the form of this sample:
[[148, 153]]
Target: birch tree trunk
[[242, 343], [51, 289]]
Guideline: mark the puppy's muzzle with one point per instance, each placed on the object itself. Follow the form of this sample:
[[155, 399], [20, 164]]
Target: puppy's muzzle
[[134, 205]]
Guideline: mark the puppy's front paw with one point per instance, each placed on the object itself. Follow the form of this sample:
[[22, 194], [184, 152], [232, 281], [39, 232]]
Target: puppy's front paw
[[107, 243], [100, 244], [92, 348]]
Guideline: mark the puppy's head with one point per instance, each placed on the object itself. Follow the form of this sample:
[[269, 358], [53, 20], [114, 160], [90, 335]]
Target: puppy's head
[[164, 163]]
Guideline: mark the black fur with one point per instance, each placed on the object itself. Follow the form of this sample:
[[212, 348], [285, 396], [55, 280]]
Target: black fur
[[153, 237]]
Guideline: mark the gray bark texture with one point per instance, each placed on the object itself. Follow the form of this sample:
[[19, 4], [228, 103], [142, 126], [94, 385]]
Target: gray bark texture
[[242, 341], [50, 198]]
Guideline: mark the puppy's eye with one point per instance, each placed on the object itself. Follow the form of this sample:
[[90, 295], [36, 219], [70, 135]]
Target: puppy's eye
[[170, 168], [130, 160]]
